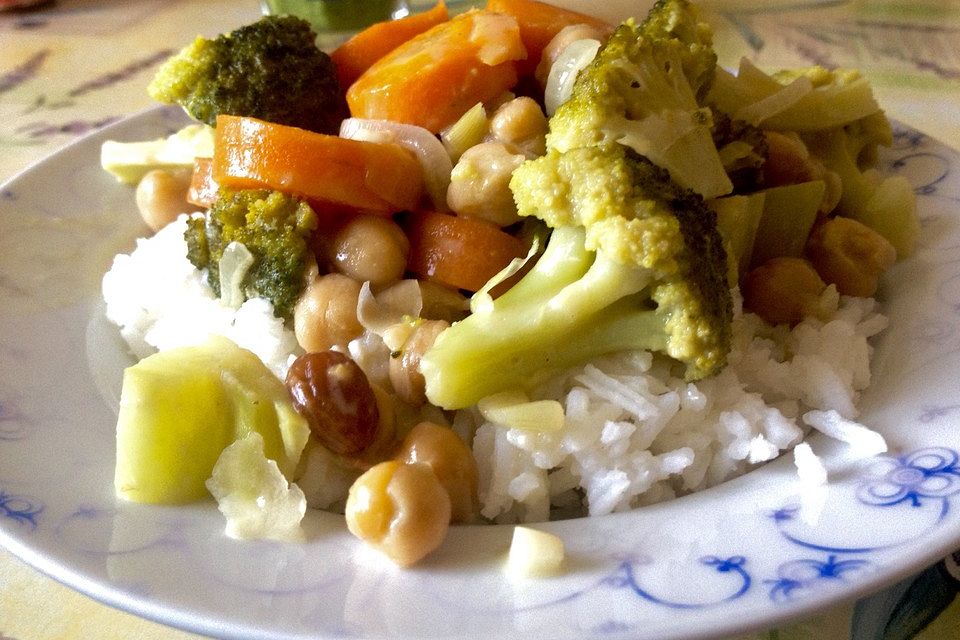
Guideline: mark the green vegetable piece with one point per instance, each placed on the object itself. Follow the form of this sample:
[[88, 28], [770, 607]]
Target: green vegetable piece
[[838, 97], [788, 215], [738, 218], [885, 204], [274, 227], [681, 21], [807, 99], [128, 162], [271, 69], [634, 262], [180, 408], [743, 150], [642, 91], [891, 211]]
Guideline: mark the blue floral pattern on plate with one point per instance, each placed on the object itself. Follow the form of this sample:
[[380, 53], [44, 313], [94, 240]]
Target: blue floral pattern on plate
[[20, 509]]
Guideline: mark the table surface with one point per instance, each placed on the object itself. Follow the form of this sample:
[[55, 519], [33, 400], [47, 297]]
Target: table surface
[[71, 66]]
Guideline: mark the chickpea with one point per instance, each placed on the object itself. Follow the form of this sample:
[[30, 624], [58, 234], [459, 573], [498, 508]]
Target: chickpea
[[850, 255], [560, 41], [326, 313], [480, 183], [404, 369], [452, 462], [162, 195], [788, 160], [521, 122], [399, 509], [783, 290], [369, 248]]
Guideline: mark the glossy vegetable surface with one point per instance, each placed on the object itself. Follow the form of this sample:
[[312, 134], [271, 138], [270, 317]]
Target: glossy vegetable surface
[[434, 78], [326, 170], [460, 252], [539, 23], [360, 52]]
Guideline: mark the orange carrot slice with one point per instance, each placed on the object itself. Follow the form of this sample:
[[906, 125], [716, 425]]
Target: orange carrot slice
[[434, 78], [459, 252], [358, 54], [328, 171], [539, 22]]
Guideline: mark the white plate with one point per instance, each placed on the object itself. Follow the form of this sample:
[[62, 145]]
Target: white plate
[[744, 555]]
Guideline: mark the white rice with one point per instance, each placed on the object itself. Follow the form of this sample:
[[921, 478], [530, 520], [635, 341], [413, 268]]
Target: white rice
[[810, 469], [633, 434], [161, 301]]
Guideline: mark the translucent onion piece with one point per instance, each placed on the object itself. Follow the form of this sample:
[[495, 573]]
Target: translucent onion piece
[[574, 58], [482, 301], [429, 150], [396, 304], [234, 265], [780, 101]]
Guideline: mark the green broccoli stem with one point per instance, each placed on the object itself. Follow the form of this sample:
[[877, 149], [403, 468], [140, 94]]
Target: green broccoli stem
[[543, 324]]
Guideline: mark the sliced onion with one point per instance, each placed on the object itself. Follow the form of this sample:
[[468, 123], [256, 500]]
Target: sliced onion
[[482, 301], [572, 60], [378, 312], [780, 101], [234, 265], [429, 150]]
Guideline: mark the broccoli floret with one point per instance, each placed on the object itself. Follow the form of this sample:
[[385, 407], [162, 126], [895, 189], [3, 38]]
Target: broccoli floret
[[743, 151], [633, 262], [636, 93], [885, 204], [274, 227], [271, 69], [680, 20]]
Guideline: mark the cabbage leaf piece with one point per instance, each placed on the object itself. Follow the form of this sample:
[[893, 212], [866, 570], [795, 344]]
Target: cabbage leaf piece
[[180, 408], [253, 495]]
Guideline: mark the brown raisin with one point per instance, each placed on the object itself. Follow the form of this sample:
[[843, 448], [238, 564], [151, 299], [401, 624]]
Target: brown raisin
[[331, 391]]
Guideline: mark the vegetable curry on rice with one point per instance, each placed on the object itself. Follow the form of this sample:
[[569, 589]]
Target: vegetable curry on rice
[[493, 251]]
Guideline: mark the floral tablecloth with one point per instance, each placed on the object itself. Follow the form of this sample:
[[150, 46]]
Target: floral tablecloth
[[70, 66]]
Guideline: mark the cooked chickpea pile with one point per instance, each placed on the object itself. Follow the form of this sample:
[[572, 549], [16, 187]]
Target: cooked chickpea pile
[[839, 251], [404, 506]]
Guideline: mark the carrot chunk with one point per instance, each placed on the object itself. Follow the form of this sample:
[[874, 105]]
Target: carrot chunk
[[539, 22], [328, 171], [358, 54], [434, 78], [459, 252]]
